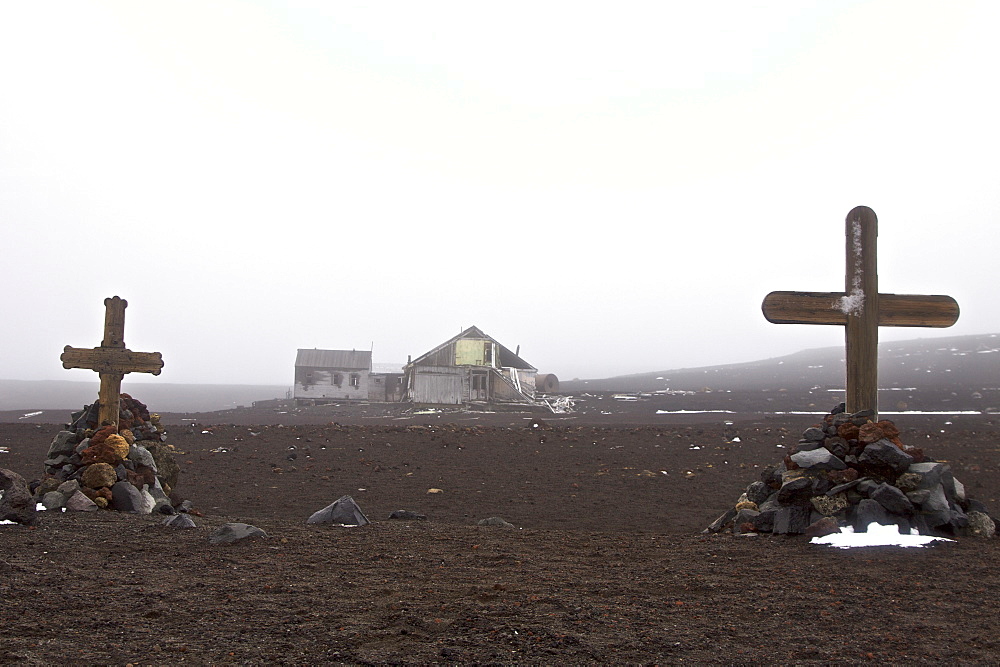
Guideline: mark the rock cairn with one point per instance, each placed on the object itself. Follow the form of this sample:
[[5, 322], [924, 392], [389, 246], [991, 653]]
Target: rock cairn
[[851, 471], [129, 468]]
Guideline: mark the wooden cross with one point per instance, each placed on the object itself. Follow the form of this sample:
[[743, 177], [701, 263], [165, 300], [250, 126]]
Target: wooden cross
[[111, 360], [861, 310]]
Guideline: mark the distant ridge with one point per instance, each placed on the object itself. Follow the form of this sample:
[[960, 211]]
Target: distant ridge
[[159, 396], [959, 364], [956, 361]]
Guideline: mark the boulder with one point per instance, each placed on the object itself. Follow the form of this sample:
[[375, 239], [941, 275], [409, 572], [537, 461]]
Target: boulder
[[234, 532], [343, 511], [818, 459], [63, 444], [126, 498], [180, 521], [758, 492], [883, 453], [791, 520], [795, 491], [892, 499], [78, 502], [980, 525], [495, 521], [99, 475], [830, 505], [869, 511], [53, 500], [16, 501], [825, 526]]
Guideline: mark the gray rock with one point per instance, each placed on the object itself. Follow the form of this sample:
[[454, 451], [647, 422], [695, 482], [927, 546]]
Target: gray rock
[[818, 459], [180, 521], [57, 461], [758, 492], [908, 482], [813, 434], [764, 521], [980, 525], [791, 520], [935, 501], [343, 511], [884, 453], [953, 489], [930, 473], [63, 443], [743, 517], [795, 491], [234, 532], [830, 505], [837, 446], [495, 521], [80, 503], [807, 445], [892, 499], [862, 417], [142, 456], [845, 487], [126, 498], [53, 500], [407, 515], [69, 487], [869, 511], [16, 501], [724, 520]]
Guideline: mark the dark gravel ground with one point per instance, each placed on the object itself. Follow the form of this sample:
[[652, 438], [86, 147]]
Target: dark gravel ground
[[605, 564]]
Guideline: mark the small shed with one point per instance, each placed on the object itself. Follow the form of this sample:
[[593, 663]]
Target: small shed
[[325, 376], [471, 368]]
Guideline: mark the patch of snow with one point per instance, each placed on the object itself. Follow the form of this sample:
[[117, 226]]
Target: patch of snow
[[31, 414], [877, 536], [695, 412]]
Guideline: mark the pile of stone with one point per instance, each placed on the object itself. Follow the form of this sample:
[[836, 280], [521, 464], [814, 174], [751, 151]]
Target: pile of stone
[[128, 467], [851, 471]]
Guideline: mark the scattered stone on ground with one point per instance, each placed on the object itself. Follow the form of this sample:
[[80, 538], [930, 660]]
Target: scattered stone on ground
[[234, 532], [344, 512]]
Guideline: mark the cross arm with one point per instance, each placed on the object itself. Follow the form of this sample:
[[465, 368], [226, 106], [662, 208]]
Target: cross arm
[[112, 360], [895, 310]]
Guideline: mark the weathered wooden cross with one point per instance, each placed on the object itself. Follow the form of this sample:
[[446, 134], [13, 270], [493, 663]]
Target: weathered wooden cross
[[111, 360], [861, 309]]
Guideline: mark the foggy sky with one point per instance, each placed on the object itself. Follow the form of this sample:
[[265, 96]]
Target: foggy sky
[[613, 189]]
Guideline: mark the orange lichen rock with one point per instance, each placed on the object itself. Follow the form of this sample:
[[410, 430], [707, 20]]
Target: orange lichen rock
[[128, 435], [869, 433], [99, 475], [109, 451], [890, 429], [102, 434], [848, 431], [118, 444]]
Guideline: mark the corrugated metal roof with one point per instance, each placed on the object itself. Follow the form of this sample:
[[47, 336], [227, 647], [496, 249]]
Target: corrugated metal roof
[[352, 359]]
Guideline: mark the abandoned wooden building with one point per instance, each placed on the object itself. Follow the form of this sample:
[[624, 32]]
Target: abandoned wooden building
[[325, 376], [471, 368]]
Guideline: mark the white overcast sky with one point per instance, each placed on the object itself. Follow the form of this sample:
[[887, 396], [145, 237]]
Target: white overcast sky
[[614, 187]]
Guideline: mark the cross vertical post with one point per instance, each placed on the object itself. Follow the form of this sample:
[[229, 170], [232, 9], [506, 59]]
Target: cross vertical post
[[112, 360], [861, 309], [861, 306]]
